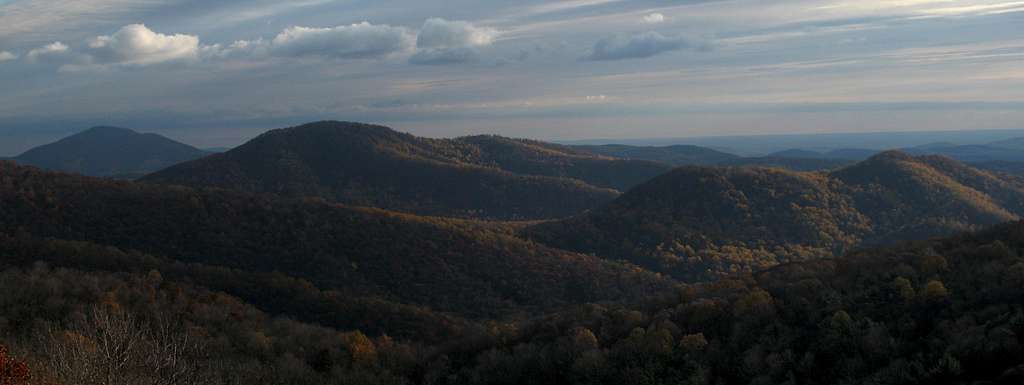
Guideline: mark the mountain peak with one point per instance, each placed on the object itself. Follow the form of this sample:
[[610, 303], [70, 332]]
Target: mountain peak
[[371, 165], [891, 155], [108, 130], [110, 151], [336, 126]]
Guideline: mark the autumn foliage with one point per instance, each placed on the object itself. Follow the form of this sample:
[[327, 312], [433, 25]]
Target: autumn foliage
[[12, 371]]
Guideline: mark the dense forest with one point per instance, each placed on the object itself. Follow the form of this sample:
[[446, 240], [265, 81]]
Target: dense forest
[[469, 268], [947, 311], [366, 165], [262, 270], [699, 223]]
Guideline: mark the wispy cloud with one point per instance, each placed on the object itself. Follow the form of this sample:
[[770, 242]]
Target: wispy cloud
[[42, 19], [641, 45], [47, 52]]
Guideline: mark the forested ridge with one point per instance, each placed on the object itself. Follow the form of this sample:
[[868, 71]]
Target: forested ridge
[[947, 311], [366, 165], [702, 275], [699, 223], [445, 264]]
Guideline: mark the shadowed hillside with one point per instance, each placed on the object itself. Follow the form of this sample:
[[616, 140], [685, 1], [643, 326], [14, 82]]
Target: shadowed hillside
[[940, 312], [945, 311], [486, 177], [110, 151], [697, 223], [446, 265]]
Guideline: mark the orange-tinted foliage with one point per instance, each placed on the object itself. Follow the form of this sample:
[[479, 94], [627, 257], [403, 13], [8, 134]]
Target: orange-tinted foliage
[[12, 371]]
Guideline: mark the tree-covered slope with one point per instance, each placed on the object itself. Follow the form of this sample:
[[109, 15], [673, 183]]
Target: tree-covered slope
[[485, 177], [531, 157], [698, 223], [446, 265], [946, 311]]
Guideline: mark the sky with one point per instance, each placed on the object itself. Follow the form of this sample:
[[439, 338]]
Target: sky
[[217, 72]]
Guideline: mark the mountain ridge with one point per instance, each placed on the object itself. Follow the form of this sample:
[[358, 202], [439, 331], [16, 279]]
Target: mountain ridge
[[370, 165], [448, 265], [697, 223]]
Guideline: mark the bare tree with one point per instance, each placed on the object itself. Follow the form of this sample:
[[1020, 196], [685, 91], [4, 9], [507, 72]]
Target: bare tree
[[112, 347]]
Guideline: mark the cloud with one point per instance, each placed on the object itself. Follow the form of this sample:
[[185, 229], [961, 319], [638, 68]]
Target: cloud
[[47, 52], [442, 41], [356, 41], [6, 56], [441, 33], [654, 18], [445, 56], [640, 45], [136, 44]]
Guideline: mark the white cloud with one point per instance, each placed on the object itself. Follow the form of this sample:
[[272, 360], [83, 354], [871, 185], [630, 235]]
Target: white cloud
[[47, 52], [654, 18], [441, 33], [356, 41], [442, 41], [241, 49], [138, 45], [641, 45], [6, 56]]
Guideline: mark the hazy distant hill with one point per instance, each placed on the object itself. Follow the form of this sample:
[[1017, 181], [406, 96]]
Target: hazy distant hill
[[1012, 143], [110, 151], [462, 267], [1009, 150], [686, 155], [367, 165], [793, 164], [851, 153], [797, 153], [698, 222], [676, 155], [837, 154]]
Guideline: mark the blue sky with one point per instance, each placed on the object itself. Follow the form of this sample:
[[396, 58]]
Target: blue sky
[[216, 72]]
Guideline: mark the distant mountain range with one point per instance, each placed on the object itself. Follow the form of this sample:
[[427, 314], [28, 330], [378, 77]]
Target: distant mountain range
[[852, 154], [260, 289], [367, 165], [687, 155], [697, 223], [674, 155], [243, 267], [1008, 150], [110, 151]]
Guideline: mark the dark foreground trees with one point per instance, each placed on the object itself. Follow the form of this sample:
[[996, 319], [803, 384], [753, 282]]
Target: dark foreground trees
[[941, 312]]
